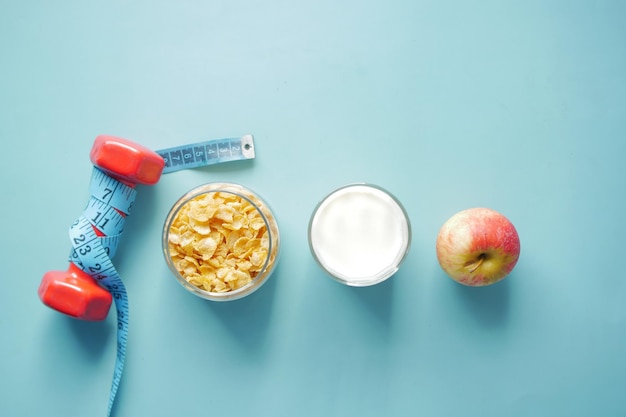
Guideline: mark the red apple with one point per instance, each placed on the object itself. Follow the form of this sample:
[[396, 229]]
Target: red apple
[[478, 247]]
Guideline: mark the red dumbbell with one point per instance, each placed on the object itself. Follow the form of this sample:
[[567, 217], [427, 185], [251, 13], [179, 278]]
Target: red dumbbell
[[74, 292]]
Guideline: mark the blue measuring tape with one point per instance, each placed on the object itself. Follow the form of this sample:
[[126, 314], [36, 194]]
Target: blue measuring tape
[[207, 153], [110, 203], [93, 253]]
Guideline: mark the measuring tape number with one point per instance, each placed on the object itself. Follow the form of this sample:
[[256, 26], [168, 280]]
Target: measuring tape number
[[207, 153], [110, 203]]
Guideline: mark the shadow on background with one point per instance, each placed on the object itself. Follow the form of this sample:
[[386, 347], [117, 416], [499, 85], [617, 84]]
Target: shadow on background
[[231, 166], [93, 337], [489, 305], [376, 299], [336, 316], [247, 319]]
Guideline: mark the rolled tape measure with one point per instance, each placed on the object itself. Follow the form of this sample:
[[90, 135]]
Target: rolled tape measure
[[91, 283]]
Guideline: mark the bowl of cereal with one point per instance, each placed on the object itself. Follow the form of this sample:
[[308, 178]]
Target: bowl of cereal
[[221, 241]]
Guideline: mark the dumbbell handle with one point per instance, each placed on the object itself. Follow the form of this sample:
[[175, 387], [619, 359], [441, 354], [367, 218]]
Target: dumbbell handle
[[74, 292]]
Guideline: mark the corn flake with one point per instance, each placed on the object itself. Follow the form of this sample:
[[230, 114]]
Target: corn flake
[[218, 242]]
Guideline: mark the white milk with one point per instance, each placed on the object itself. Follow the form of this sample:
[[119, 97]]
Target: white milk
[[360, 234]]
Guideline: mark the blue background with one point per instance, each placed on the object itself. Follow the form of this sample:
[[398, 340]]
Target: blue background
[[515, 105]]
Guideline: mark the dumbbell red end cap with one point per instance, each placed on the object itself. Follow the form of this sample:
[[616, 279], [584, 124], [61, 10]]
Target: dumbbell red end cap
[[75, 293], [127, 160]]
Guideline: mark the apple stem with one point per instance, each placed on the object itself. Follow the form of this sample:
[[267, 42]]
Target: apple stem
[[474, 266]]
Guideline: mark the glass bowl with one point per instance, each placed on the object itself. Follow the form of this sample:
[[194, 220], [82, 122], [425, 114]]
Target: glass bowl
[[221, 241], [359, 234]]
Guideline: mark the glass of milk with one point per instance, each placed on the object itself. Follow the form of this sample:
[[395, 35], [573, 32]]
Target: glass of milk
[[359, 234]]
